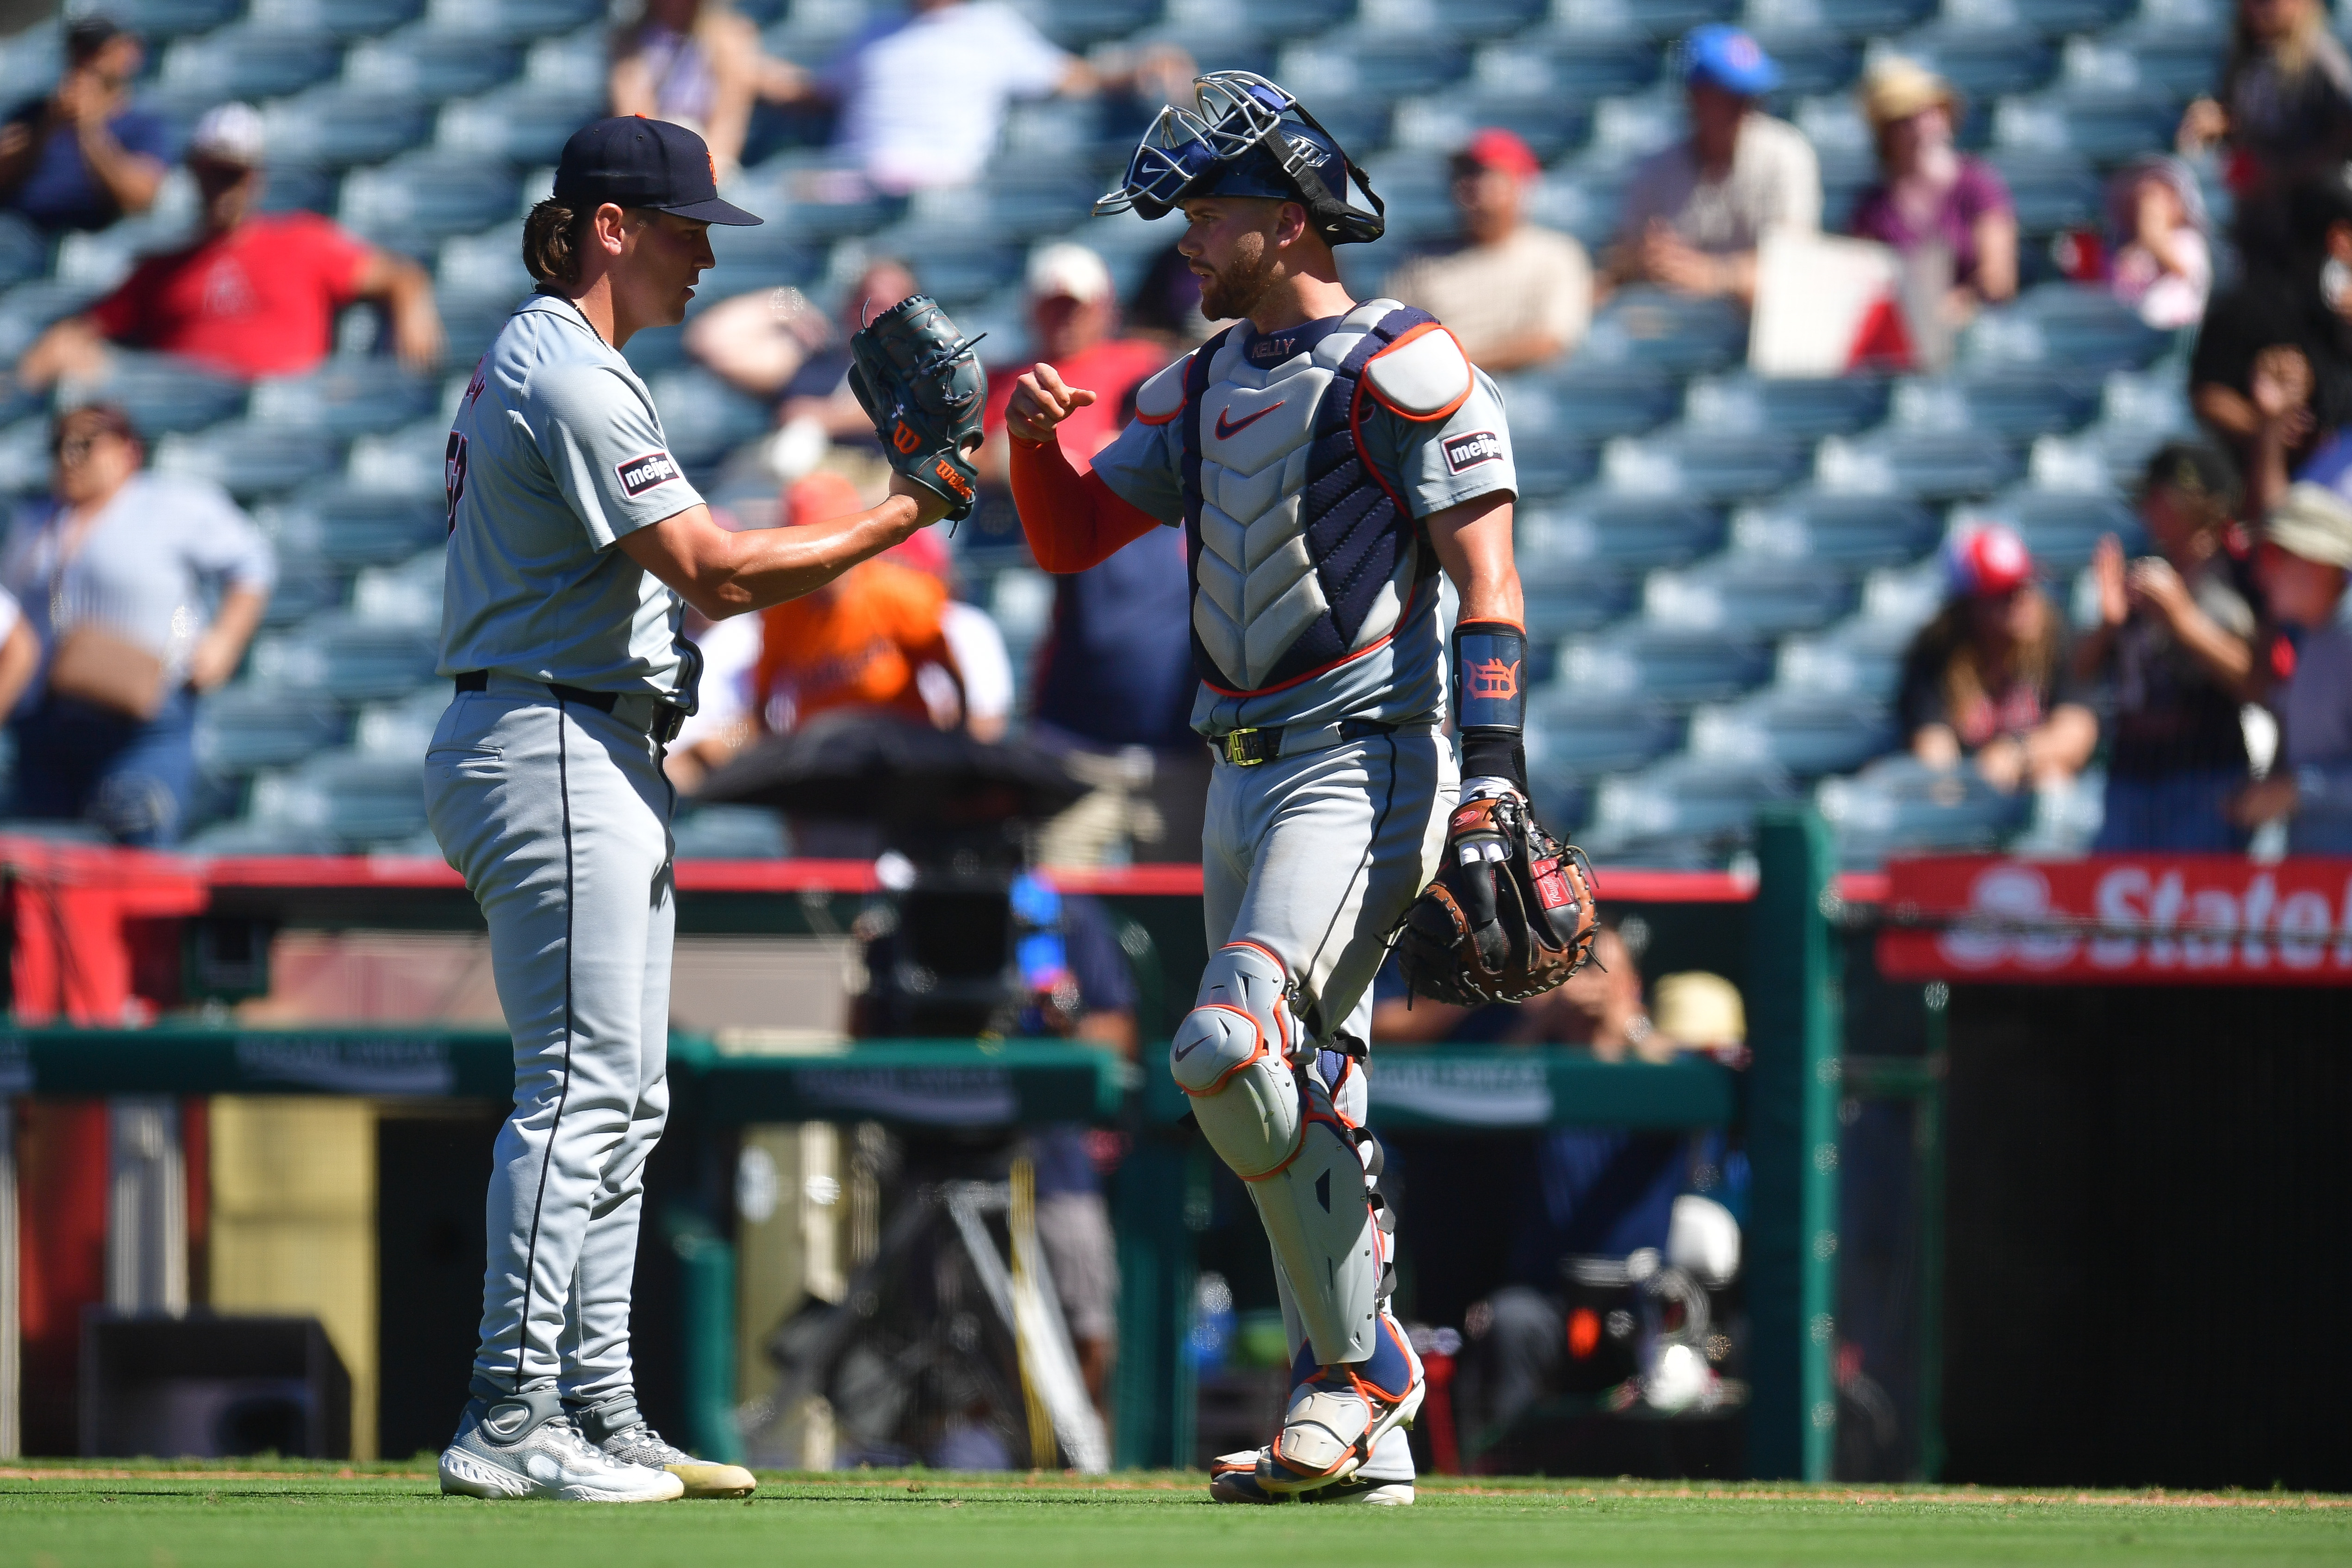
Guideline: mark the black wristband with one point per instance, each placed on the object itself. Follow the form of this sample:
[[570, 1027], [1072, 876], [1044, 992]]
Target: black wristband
[[1496, 754]]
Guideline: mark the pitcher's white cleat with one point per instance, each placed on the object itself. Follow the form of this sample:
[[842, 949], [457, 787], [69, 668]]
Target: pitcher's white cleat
[[524, 1445]]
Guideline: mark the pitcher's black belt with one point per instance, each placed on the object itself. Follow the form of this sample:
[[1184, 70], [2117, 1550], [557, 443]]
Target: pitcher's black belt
[[1248, 748], [663, 725]]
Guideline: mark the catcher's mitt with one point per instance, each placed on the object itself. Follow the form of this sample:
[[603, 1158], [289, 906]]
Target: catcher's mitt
[[1511, 913], [918, 379]]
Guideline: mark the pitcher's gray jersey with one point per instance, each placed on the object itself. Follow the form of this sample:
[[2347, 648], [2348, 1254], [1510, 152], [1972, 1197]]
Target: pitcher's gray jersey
[[1258, 423], [557, 454]]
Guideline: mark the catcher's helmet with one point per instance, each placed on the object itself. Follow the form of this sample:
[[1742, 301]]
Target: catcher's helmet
[[1246, 137]]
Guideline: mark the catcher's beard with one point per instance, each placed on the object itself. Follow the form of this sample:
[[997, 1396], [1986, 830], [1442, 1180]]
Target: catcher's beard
[[1234, 289]]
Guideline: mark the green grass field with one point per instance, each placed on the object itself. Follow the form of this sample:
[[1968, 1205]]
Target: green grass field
[[262, 1515]]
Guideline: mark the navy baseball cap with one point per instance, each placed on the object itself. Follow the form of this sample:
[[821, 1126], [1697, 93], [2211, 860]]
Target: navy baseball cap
[[1730, 59], [639, 163]]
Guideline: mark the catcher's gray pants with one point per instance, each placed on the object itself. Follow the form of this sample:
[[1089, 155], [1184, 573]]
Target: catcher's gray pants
[[558, 817], [1313, 859]]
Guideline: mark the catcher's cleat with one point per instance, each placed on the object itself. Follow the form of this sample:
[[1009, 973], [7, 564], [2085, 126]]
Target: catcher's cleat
[[1339, 1414], [524, 1445], [1232, 1479]]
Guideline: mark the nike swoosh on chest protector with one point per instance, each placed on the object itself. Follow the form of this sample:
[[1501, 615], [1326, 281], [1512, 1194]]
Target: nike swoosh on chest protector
[[1226, 432]]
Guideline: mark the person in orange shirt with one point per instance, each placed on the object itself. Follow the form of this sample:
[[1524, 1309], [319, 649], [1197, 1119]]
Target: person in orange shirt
[[858, 643]]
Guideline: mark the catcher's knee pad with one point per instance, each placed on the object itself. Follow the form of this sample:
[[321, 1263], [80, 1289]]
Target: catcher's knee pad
[[1232, 1055]]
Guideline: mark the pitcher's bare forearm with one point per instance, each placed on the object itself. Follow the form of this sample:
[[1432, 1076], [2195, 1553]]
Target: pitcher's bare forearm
[[723, 573]]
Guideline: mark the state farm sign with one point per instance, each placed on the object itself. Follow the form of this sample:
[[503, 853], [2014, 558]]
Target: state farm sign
[[2174, 919]]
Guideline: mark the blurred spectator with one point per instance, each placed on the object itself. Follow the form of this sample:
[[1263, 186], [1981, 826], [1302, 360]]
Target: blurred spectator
[[257, 293], [1929, 194], [1695, 212], [698, 64], [1603, 1197], [2159, 261], [2277, 348], [909, 124], [82, 157], [1990, 679], [1515, 294], [856, 643], [2284, 109], [977, 695], [2306, 550], [1166, 306], [776, 344], [2175, 639], [1115, 679], [1080, 988], [115, 570], [20, 653], [725, 717], [1074, 322]]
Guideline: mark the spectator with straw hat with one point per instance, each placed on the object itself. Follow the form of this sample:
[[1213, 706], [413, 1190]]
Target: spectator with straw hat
[[2307, 553], [1931, 195]]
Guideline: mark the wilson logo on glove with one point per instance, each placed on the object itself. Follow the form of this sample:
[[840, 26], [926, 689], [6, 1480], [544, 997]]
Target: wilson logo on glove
[[905, 438], [953, 480]]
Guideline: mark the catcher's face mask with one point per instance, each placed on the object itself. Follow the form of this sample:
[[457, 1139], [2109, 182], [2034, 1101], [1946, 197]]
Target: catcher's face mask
[[1238, 140]]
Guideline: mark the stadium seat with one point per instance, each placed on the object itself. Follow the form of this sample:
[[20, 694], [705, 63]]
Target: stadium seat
[[1575, 66], [1815, 59], [359, 801], [25, 252], [1707, 464], [348, 395], [1584, 201], [2106, 125], [2013, 402], [704, 416], [433, 62], [528, 125], [349, 527], [1565, 597], [515, 19], [1860, 657], [246, 60], [250, 459], [401, 729], [1850, 532], [250, 725], [1928, 465], [1807, 733], [1573, 736], [729, 833], [406, 595], [159, 19], [1079, 24], [2053, 189], [1747, 595], [1900, 804], [2174, 58], [1635, 659], [163, 393], [335, 126], [1580, 401], [1651, 327], [346, 18], [299, 187], [412, 204], [1738, 404], [1985, 62], [1686, 811], [1602, 527], [25, 455], [1854, 18], [346, 659], [307, 584], [1659, 20], [2084, 330]]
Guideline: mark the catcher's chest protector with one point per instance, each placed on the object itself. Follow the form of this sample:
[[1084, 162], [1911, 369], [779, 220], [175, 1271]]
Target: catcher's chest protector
[[1301, 556]]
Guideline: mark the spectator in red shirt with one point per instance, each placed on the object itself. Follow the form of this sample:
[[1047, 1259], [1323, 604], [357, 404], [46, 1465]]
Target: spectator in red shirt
[[1073, 311], [256, 295]]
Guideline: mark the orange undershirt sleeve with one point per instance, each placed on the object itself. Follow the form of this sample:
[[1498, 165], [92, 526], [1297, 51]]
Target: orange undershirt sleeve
[[1073, 520]]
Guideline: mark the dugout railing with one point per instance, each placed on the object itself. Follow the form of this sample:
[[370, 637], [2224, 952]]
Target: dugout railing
[[92, 930]]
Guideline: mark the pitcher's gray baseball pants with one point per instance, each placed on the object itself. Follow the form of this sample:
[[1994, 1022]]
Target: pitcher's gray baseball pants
[[558, 817]]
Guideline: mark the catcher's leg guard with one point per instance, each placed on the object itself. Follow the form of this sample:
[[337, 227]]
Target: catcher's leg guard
[[1341, 1417], [1274, 1124]]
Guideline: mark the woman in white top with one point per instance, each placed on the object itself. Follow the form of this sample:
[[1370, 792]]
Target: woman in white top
[[143, 590]]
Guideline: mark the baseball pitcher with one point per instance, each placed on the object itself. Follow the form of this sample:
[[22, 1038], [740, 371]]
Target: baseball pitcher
[[573, 537], [1326, 459]]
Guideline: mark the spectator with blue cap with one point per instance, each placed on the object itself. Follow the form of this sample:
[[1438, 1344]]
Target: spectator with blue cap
[[1695, 211]]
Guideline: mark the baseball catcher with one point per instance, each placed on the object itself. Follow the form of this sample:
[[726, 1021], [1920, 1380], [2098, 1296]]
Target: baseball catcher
[[1325, 460]]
